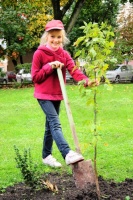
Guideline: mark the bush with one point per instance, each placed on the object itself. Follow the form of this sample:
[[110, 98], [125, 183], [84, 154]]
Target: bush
[[30, 173], [2, 74], [26, 66], [28, 169]]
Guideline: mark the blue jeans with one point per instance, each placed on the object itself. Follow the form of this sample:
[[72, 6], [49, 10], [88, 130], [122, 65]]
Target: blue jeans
[[53, 130]]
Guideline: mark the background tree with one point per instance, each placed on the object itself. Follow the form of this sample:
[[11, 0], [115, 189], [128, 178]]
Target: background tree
[[124, 39], [13, 31], [42, 14], [21, 26], [94, 11], [26, 21], [33, 16], [60, 9]]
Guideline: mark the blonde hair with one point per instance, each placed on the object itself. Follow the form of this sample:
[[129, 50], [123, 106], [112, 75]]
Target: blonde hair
[[43, 40]]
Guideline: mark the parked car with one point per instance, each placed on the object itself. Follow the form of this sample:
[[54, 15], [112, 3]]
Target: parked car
[[68, 76], [121, 73], [11, 76], [4, 79], [23, 76]]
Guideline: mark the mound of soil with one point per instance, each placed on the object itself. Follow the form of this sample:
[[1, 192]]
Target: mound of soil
[[68, 191]]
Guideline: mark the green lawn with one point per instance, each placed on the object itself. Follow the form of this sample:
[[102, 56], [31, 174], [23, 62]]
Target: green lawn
[[22, 124]]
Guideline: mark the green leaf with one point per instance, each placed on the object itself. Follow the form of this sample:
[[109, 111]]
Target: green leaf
[[93, 52], [77, 54], [79, 40]]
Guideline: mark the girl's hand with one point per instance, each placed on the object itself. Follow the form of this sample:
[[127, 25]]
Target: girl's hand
[[93, 83], [56, 64]]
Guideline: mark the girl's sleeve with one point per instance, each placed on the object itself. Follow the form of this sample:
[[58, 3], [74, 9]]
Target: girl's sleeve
[[39, 72], [76, 73]]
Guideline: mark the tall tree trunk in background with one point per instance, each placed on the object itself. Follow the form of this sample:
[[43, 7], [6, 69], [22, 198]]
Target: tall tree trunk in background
[[21, 59], [56, 9], [74, 15], [14, 62], [60, 13]]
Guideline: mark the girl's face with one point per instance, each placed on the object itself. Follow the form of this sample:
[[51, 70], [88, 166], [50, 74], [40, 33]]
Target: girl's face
[[54, 39]]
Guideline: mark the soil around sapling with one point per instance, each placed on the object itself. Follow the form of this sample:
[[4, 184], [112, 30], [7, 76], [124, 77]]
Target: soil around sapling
[[68, 191]]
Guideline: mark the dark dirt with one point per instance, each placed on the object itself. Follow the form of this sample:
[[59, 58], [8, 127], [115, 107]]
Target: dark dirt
[[68, 191]]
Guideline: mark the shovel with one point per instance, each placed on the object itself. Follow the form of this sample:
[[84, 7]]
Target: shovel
[[83, 172]]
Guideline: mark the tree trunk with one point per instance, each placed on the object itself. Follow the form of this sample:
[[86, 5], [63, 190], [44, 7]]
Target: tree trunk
[[74, 15], [21, 59], [59, 14], [56, 9], [14, 62], [66, 7]]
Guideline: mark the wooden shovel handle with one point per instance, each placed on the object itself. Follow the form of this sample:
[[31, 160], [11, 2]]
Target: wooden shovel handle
[[68, 110]]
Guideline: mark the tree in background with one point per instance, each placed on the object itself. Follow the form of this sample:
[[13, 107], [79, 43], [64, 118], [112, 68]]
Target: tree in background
[[124, 40], [39, 14], [14, 34], [94, 11], [74, 13], [72, 7], [22, 23], [21, 26], [28, 18]]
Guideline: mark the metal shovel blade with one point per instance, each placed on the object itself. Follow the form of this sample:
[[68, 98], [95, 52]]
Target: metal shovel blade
[[83, 174]]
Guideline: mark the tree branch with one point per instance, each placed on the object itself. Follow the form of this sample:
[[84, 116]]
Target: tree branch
[[74, 15], [66, 7]]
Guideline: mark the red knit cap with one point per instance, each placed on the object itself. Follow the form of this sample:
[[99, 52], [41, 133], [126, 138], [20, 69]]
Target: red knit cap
[[54, 24]]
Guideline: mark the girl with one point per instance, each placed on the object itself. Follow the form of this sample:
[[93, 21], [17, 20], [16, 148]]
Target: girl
[[49, 56]]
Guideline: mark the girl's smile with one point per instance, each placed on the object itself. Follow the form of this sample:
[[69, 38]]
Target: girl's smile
[[54, 39]]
